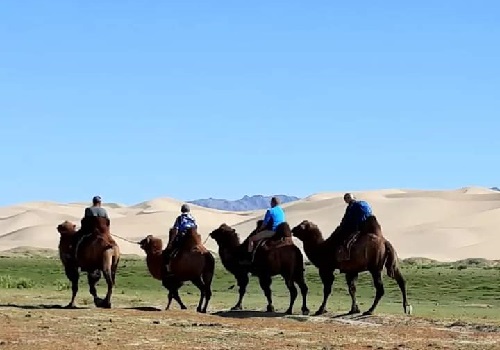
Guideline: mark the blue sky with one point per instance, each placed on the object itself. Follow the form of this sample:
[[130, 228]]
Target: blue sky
[[189, 99]]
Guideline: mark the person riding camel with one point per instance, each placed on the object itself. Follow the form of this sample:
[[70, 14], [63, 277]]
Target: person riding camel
[[184, 221], [274, 216], [354, 218], [96, 210]]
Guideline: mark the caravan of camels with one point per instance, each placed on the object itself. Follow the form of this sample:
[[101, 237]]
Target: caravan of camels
[[356, 245]]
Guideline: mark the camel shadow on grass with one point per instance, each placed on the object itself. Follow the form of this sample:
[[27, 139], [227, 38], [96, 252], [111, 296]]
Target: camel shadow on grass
[[40, 307], [247, 314]]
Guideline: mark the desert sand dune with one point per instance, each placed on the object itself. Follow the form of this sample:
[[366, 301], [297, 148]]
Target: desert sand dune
[[442, 225]]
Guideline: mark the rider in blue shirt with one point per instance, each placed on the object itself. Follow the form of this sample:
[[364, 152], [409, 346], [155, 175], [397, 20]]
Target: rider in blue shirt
[[274, 216]]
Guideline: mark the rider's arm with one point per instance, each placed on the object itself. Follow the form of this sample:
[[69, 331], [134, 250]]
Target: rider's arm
[[177, 223], [265, 222], [105, 213], [346, 215], [87, 213]]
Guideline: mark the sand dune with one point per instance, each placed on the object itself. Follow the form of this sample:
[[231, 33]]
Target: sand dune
[[442, 225]]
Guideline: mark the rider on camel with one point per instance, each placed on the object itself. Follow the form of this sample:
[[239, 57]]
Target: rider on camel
[[184, 221], [96, 210], [274, 216], [355, 216]]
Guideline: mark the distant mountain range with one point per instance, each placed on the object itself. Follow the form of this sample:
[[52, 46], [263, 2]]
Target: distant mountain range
[[255, 202], [495, 188]]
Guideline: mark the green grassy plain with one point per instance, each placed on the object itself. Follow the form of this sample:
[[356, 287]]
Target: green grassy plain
[[467, 290]]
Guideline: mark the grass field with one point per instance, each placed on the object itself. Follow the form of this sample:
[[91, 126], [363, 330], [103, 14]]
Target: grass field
[[454, 306]]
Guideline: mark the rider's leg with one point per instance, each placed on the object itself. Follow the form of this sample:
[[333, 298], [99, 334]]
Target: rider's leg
[[258, 236]]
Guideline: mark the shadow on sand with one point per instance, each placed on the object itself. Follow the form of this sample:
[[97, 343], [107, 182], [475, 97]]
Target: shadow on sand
[[143, 308], [247, 314], [41, 307]]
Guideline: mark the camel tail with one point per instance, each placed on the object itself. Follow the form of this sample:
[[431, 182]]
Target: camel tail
[[391, 260]]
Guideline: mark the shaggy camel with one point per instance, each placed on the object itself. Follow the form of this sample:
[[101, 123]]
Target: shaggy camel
[[369, 252], [273, 257], [93, 252], [191, 262]]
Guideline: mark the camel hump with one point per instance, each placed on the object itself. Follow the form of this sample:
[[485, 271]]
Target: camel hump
[[372, 225], [192, 242], [282, 238]]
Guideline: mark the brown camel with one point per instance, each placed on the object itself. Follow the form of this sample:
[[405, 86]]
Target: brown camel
[[369, 252], [273, 257], [190, 262], [91, 252]]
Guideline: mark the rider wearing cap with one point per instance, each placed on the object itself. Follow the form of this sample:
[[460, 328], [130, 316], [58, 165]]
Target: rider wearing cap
[[182, 223], [95, 210]]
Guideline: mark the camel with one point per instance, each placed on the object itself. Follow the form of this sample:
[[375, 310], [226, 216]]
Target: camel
[[93, 253], [271, 259], [190, 262], [369, 252]]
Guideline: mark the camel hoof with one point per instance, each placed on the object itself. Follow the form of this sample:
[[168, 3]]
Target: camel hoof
[[354, 311], [409, 310], [183, 307], [270, 308], [368, 313], [105, 305], [236, 308], [305, 312], [320, 312], [70, 306], [289, 312]]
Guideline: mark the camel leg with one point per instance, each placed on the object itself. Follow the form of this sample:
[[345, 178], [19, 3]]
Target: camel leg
[[327, 277], [379, 287], [169, 300], [300, 280], [351, 279], [201, 286], [177, 298], [92, 279], [73, 275], [402, 286], [114, 268], [265, 284], [207, 276], [242, 285], [293, 294], [106, 303]]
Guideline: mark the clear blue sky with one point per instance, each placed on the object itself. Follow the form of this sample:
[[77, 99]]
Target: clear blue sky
[[139, 99]]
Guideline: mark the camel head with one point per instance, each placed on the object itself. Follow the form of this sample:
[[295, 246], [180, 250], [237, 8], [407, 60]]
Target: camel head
[[223, 234], [303, 230], [66, 228], [151, 244]]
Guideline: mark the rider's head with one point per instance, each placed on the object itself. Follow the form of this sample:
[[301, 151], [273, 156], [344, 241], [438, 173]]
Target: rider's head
[[185, 208], [349, 197], [275, 201], [96, 201]]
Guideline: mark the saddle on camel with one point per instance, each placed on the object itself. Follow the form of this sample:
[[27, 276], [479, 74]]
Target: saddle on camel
[[189, 261], [368, 252], [275, 256], [92, 250]]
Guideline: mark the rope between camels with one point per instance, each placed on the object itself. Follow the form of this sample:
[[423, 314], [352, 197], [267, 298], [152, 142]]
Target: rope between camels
[[125, 239]]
